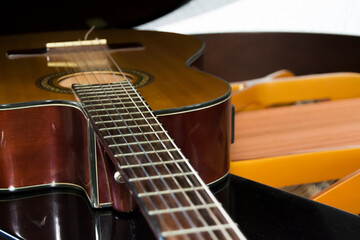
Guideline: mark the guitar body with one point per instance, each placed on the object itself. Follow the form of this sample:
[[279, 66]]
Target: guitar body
[[46, 140]]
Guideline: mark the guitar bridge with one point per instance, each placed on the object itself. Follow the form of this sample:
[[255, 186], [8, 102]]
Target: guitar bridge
[[52, 48], [80, 43]]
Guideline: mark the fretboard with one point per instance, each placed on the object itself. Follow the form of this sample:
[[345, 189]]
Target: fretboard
[[175, 201]]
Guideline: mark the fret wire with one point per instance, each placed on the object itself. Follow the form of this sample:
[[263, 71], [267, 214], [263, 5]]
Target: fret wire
[[144, 153], [101, 109], [105, 88], [105, 95], [131, 134], [146, 194], [154, 163], [91, 100], [114, 128], [195, 230], [114, 103], [120, 120], [138, 179], [113, 93], [106, 115], [185, 208], [111, 109], [140, 142], [91, 86], [117, 114]]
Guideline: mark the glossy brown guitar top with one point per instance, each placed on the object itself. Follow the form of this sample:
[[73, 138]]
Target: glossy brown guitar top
[[165, 56]]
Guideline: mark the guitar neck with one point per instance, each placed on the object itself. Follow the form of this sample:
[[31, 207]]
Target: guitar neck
[[171, 195]]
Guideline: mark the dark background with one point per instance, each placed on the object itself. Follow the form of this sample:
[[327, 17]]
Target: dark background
[[39, 15]]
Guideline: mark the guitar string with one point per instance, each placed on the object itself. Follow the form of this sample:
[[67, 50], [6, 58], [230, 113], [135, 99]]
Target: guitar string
[[165, 203], [151, 203], [187, 197], [190, 167], [73, 70], [134, 91]]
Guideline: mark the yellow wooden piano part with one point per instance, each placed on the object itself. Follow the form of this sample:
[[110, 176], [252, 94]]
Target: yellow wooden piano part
[[334, 96]]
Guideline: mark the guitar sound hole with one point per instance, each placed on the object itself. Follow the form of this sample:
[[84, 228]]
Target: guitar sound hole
[[93, 78], [61, 82]]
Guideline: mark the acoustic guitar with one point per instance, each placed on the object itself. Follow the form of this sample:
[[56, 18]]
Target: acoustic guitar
[[91, 115]]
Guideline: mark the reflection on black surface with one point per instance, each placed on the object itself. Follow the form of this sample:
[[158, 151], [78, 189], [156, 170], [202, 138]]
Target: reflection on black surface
[[261, 212]]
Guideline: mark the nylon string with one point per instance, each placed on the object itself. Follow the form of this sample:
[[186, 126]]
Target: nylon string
[[139, 111], [154, 185]]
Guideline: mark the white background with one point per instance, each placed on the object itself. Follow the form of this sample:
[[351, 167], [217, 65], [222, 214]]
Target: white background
[[214, 16]]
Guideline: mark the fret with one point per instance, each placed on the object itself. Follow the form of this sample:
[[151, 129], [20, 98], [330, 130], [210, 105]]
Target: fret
[[129, 127], [111, 92], [140, 142], [147, 152], [122, 129], [119, 114], [170, 191], [109, 95], [158, 151], [125, 120], [164, 202], [126, 98], [105, 115], [180, 209], [102, 109], [104, 89], [153, 170], [110, 121], [162, 184], [115, 103], [133, 134], [113, 109], [153, 163], [196, 230], [114, 99], [155, 157], [95, 86], [160, 176]]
